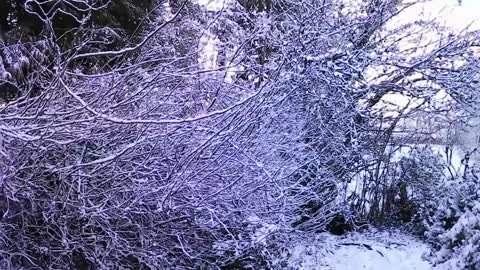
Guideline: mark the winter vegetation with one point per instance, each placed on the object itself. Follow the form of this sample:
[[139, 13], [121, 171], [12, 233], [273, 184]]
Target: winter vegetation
[[239, 134]]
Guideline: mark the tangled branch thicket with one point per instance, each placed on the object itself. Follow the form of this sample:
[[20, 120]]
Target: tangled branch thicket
[[154, 164], [155, 156]]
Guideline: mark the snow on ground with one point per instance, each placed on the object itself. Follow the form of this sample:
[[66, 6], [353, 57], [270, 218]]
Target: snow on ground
[[367, 251]]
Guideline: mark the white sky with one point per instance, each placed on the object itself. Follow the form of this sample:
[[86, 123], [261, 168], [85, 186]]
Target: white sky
[[459, 16], [449, 11]]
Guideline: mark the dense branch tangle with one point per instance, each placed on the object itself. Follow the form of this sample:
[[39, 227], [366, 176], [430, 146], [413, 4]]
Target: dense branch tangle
[[154, 161], [134, 167]]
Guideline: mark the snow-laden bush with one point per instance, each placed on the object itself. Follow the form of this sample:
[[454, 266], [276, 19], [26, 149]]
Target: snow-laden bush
[[402, 192], [422, 171], [156, 160], [455, 229]]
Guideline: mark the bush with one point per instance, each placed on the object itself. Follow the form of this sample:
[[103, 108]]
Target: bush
[[454, 232]]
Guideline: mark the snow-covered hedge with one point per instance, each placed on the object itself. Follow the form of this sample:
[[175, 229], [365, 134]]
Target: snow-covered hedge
[[455, 230]]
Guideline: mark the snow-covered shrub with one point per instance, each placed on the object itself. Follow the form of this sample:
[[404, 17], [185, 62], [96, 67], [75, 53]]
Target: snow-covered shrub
[[422, 171], [156, 160], [398, 190], [454, 232], [153, 165]]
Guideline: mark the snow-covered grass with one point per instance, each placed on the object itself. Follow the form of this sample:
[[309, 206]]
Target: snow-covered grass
[[355, 251]]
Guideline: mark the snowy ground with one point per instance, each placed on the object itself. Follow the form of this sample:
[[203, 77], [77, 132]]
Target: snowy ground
[[371, 251]]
